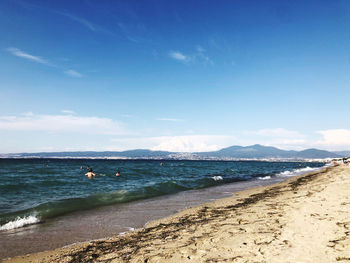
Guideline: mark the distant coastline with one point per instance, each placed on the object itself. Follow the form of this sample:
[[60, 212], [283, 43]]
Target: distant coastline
[[234, 153], [173, 159]]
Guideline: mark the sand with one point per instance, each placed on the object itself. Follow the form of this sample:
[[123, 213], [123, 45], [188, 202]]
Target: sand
[[305, 219]]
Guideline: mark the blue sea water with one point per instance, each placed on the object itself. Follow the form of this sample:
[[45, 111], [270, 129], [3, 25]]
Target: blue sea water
[[33, 190]]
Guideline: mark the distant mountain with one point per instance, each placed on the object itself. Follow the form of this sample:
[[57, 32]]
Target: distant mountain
[[343, 153], [260, 151], [318, 154], [256, 151]]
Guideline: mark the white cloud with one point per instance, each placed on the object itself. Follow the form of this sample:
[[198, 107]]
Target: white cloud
[[68, 111], [192, 143], [61, 123], [186, 143], [19, 53], [169, 119], [178, 56], [335, 138], [73, 73]]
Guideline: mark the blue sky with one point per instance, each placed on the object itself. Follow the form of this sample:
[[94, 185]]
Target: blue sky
[[173, 75]]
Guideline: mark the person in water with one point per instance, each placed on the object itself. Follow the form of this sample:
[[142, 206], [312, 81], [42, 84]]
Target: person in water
[[118, 173], [90, 173]]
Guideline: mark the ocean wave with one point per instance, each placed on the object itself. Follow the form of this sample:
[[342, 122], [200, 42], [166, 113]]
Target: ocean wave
[[299, 171], [264, 177], [20, 222], [217, 178], [64, 206]]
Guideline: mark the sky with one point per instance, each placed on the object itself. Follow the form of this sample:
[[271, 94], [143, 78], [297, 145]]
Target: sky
[[173, 75]]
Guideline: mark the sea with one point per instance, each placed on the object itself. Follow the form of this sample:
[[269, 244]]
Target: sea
[[49, 203]]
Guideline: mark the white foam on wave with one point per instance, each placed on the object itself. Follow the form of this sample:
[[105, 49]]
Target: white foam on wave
[[264, 177], [299, 171], [217, 178], [20, 222]]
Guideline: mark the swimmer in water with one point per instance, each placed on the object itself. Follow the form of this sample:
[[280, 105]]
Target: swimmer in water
[[118, 173], [90, 173]]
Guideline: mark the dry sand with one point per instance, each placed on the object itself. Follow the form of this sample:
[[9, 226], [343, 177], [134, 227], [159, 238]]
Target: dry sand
[[306, 219]]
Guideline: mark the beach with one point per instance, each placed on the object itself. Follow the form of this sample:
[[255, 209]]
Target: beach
[[304, 219]]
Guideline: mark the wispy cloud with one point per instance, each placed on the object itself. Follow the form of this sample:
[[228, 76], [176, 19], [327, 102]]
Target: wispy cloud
[[73, 73], [177, 55], [198, 56], [126, 31], [19, 53], [201, 56], [61, 123], [83, 21], [80, 20], [169, 119], [200, 49]]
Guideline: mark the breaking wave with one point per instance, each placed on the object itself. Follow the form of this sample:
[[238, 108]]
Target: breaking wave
[[299, 171], [20, 222], [217, 178]]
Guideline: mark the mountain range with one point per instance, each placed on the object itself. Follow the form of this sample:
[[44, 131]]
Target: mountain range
[[256, 151]]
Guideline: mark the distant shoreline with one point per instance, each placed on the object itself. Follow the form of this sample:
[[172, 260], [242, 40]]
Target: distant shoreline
[[164, 160]]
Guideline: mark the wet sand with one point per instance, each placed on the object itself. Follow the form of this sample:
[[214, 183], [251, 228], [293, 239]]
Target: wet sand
[[305, 219]]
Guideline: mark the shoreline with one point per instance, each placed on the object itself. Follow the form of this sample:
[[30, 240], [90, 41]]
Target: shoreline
[[263, 217], [109, 221]]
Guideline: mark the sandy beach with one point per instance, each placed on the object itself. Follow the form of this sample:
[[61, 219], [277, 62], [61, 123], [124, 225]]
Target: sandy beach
[[305, 219]]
